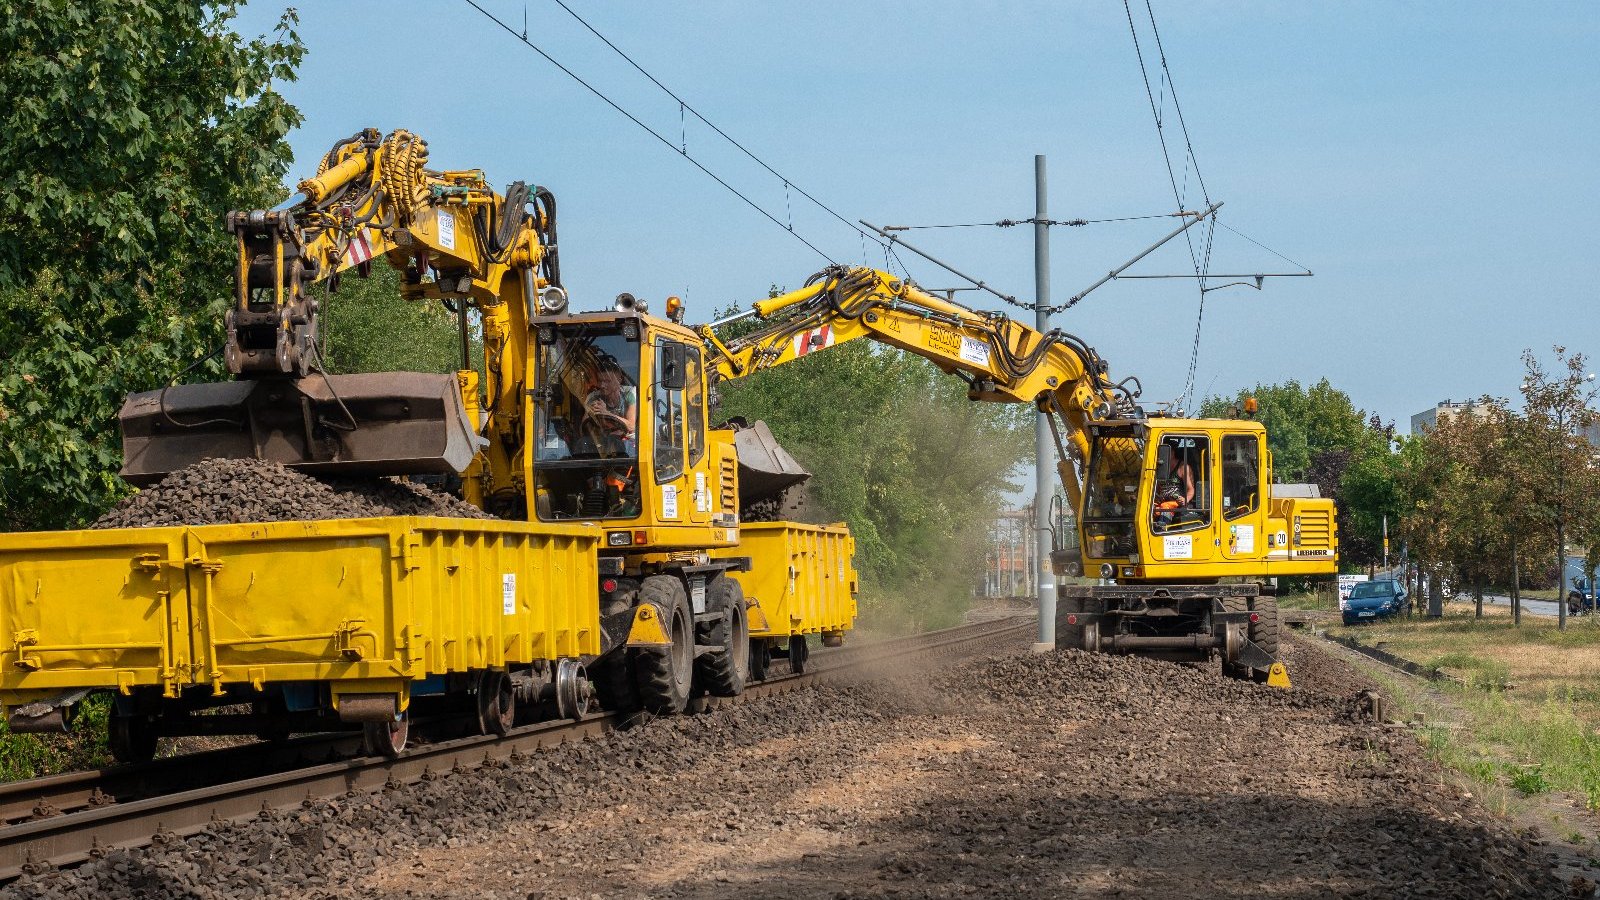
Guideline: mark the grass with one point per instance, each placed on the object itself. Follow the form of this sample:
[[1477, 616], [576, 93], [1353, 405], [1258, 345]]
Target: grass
[[33, 755], [1521, 716]]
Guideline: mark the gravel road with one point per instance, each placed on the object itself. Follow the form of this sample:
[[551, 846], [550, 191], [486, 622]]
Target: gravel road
[[1064, 774]]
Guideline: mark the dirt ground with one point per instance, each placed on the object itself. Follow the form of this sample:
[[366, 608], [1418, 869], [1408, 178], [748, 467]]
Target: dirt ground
[[1058, 775]]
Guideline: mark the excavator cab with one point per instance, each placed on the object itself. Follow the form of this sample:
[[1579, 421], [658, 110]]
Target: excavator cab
[[1191, 500], [586, 420], [621, 434]]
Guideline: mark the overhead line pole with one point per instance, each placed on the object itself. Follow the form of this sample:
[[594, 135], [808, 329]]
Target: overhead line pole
[[1044, 483]]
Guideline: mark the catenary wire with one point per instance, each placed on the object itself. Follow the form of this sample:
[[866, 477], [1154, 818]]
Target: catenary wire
[[653, 133], [684, 105], [1009, 223], [1177, 192], [1266, 248]]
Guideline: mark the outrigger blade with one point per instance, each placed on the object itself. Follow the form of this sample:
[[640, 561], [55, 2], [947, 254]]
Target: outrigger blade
[[765, 468], [379, 423]]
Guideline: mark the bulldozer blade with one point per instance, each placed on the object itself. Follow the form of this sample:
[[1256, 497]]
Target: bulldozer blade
[[765, 468], [380, 423]]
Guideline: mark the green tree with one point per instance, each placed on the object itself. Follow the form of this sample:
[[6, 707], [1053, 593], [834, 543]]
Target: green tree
[[367, 327], [127, 131], [1559, 406], [1475, 485], [1302, 421]]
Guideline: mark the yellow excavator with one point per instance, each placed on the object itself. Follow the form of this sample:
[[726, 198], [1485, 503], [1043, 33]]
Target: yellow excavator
[[603, 417], [1177, 517]]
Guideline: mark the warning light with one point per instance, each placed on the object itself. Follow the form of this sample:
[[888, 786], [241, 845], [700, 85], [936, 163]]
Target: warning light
[[1255, 617], [641, 537], [1072, 620], [675, 309], [1250, 406], [608, 585]]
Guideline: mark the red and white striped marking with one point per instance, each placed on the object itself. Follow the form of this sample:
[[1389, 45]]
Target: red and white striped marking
[[359, 250], [815, 339]]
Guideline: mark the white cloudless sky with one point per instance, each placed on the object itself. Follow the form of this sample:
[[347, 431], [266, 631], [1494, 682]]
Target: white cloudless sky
[[1435, 164]]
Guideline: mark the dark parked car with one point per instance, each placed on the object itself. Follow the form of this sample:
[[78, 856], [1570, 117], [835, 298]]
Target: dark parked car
[[1579, 600], [1373, 600]]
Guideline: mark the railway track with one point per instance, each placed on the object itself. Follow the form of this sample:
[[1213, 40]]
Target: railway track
[[63, 820]]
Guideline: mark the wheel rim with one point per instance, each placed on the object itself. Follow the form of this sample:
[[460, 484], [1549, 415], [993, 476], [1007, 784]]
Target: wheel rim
[[388, 738], [572, 694], [497, 703], [682, 650], [506, 704], [740, 643]]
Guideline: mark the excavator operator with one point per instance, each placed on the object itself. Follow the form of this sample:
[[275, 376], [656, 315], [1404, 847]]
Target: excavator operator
[[614, 407], [1174, 495]]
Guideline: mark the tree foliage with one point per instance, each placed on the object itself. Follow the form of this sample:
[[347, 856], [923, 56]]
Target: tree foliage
[[1492, 494], [127, 131], [367, 327], [898, 452]]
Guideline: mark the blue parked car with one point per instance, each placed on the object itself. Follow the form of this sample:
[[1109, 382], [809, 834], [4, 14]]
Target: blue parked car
[[1373, 600]]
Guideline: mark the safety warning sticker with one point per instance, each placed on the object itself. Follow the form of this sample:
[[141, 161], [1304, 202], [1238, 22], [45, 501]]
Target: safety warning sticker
[[974, 350], [447, 229]]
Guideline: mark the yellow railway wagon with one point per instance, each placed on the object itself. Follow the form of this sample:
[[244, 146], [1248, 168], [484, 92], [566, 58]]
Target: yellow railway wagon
[[368, 609], [804, 580]]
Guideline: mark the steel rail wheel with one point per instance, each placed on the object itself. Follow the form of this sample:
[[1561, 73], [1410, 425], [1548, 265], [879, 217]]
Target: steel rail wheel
[[387, 739]]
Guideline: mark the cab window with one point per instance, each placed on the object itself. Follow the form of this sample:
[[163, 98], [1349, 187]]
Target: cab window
[[1182, 497], [1241, 475], [667, 410], [694, 393]]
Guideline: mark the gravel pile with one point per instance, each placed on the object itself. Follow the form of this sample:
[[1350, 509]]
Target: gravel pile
[[1055, 775], [233, 491], [787, 506]]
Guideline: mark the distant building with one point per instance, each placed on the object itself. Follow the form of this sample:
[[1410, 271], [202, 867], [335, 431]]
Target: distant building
[[1429, 419], [1593, 434]]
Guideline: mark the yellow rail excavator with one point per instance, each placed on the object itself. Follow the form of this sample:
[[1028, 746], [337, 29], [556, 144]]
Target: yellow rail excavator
[[603, 417], [1176, 517]]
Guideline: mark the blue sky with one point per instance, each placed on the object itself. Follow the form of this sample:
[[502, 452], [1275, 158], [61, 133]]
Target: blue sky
[[1436, 164]]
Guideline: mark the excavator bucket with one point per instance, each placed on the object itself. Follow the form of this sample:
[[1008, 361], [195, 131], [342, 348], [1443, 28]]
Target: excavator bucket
[[765, 468], [380, 423]]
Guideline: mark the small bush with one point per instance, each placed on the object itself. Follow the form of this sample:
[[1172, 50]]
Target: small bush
[[1528, 780]]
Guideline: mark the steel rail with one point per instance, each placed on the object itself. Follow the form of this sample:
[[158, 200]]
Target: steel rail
[[91, 831]]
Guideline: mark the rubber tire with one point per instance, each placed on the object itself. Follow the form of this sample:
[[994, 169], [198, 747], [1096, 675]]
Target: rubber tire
[[666, 679], [724, 671], [799, 652], [760, 658], [131, 739], [1265, 632], [1068, 637]]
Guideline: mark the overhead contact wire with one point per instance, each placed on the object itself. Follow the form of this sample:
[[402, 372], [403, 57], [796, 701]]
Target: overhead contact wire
[[653, 133], [685, 105]]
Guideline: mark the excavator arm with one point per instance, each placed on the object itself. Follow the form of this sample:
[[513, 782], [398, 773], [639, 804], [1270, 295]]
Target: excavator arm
[[1001, 360], [456, 240]]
